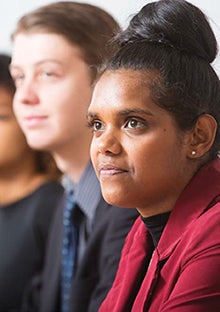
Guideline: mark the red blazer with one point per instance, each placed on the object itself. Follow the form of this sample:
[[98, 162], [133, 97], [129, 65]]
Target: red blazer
[[184, 270]]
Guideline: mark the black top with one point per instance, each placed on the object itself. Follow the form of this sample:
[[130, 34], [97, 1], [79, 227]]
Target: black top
[[23, 232], [155, 225]]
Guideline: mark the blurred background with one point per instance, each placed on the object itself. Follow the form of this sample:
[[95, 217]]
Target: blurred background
[[122, 10]]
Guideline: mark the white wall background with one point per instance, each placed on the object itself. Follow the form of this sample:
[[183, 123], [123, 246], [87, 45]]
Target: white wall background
[[122, 10]]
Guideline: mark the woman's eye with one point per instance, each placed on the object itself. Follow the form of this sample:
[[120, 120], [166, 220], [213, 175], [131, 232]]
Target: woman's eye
[[134, 124], [95, 125]]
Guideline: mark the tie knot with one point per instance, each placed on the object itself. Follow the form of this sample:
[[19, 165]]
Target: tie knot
[[72, 213]]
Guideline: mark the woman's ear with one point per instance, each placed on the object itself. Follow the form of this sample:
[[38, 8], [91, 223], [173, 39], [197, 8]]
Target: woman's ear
[[202, 136]]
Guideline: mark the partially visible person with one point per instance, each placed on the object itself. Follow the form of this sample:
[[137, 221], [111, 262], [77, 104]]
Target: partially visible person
[[155, 116], [57, 50], [29, 192]]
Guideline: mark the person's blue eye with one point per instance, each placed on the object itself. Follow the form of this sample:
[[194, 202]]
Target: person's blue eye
[[48, 73], [18, 78]]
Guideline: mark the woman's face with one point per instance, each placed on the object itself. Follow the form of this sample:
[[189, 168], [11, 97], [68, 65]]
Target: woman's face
[[13, 144], [139, 155]]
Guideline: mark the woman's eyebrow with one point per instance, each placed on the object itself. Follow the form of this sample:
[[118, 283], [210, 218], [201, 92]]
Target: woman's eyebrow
[[135, 111], [91, 115], [125, 112]]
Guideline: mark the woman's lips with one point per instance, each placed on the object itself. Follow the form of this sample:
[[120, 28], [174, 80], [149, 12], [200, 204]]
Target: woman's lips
[[110, 170]]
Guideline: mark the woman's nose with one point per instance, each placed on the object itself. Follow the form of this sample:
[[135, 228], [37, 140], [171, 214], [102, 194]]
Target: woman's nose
[[108, 143]]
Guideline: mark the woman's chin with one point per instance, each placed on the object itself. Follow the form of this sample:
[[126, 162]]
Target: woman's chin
[[116, 199]]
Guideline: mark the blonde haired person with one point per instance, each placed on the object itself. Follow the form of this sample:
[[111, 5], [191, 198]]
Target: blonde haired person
[[57, 50]]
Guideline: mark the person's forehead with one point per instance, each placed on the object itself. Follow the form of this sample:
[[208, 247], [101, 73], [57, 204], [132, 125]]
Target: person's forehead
[[29, 45]]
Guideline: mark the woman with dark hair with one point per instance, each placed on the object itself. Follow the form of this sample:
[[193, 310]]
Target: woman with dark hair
[[29, 192], [155, 116]]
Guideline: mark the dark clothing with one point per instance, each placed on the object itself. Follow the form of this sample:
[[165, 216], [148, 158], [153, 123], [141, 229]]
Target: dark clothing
[[183, 271], [155, 225], [106, 228], [23, 232], [87, 194], [97, 268]]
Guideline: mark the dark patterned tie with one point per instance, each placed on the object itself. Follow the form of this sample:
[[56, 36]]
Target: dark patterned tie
[[69, 250]]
